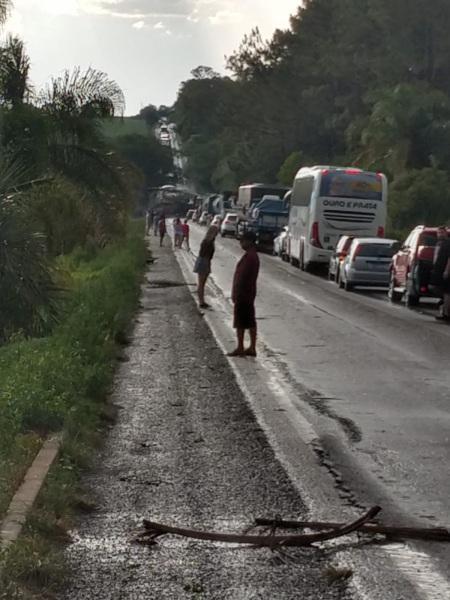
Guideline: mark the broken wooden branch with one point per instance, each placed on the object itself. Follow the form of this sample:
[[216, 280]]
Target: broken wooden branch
[[438, 534], [154, 530]]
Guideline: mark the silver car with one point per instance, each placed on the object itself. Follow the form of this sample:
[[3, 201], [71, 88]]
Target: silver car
[[368, 263]]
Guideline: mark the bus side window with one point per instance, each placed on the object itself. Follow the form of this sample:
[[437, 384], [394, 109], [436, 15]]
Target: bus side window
[[303, 189]]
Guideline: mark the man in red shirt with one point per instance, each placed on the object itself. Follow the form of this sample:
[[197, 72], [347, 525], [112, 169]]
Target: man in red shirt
[[244, 294]]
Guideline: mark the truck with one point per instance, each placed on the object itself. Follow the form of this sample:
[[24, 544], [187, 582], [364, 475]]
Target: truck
[[224, 203], [250, 194], [266, 219]]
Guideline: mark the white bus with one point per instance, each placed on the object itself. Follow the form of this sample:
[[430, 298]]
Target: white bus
[[328, 202]]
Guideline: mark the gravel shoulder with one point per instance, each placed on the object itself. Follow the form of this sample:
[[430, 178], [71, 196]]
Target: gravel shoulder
[[186, 450]]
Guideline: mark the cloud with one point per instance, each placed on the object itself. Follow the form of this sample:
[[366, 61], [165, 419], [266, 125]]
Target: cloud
[[158, 25], [215, 12], [139, 25], [225, 17]]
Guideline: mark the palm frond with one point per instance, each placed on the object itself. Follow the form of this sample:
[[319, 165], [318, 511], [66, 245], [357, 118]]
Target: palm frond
[[5, 7], [89, 94], [14, 71]]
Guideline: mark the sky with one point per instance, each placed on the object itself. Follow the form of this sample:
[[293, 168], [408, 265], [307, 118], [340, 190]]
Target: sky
[[148, 46]]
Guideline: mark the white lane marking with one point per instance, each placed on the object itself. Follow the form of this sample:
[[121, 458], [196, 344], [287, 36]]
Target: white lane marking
[[418, 567]]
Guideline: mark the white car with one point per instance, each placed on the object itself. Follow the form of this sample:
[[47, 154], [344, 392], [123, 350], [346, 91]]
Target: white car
[[203, 218], [229, 225], [279, 243]]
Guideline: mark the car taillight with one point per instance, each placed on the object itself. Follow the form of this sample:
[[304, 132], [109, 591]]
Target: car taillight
[[315, 241], [424, 289], [380, 232], [356, 253]]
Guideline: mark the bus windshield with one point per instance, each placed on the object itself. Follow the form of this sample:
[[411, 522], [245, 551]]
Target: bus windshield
[[364, 186]]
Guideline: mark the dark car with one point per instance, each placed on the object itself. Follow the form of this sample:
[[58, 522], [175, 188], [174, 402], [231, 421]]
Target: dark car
[[338, 257], [412, 265]]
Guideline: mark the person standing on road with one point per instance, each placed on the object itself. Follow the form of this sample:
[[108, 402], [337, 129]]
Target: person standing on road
[[440, 275], [162, 229], [203, 263], [244, 295], [148, 221], [186, 231], [177, 232], [156, 219]]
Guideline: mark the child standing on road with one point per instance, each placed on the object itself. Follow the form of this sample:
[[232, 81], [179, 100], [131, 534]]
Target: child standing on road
[[177, 232], [186, 230], [244, 294]]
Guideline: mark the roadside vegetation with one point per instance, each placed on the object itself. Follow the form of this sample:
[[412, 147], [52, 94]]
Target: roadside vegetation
[[361, 82], [59, 383], [71, 266]]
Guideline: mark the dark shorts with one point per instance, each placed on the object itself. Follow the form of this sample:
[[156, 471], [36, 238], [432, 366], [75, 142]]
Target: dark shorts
[[202, 266], [244, 315]]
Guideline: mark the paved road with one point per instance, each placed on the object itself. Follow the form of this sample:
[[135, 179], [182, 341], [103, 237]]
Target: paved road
[[186, 450], [379, 372]]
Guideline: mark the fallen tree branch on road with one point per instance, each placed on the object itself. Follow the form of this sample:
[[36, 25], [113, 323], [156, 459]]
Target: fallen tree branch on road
[[437, 534], [154, 530]]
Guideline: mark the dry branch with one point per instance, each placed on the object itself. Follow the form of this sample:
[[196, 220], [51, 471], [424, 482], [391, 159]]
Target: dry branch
[[154, 530], [438, 534]]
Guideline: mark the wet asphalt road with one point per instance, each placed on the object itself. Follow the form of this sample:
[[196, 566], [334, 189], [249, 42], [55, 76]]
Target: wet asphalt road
[[378, 377], [186, 450]]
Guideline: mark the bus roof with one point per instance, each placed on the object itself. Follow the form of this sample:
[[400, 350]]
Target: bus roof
[[275, 186], [352, 170]]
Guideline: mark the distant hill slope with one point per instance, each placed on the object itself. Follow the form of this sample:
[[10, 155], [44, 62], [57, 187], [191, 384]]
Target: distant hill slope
[[117, 127]]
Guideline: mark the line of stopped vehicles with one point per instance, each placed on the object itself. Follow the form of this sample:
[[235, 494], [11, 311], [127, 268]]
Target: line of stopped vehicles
[[332, 220]]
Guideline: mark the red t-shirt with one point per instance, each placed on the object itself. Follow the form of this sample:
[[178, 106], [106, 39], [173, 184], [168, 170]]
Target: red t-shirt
[[245, 277], [185, 229]]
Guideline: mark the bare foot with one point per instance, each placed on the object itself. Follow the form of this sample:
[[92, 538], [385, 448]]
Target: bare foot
[[236, 352]]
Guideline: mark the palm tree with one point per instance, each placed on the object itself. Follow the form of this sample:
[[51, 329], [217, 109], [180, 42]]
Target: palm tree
[[5, 6], [28, 298], [14, 72], [71, 108]]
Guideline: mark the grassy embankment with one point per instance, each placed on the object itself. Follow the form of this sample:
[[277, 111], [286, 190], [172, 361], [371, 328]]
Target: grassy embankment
[[60, 383]]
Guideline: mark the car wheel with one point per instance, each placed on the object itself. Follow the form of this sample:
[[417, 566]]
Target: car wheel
[[392, 294], [410, 299]]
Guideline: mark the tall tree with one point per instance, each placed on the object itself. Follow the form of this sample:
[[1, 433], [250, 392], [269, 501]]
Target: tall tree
[[14, 72]]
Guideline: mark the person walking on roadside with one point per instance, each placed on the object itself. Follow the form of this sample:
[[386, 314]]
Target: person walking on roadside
[[186, 231], [162, 229], [440, 276], [244, 294], [156, 219], [203, 263], [148, 221]]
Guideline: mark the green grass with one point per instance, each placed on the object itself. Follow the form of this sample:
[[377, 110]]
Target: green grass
[[117, 127], [59, 383]]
